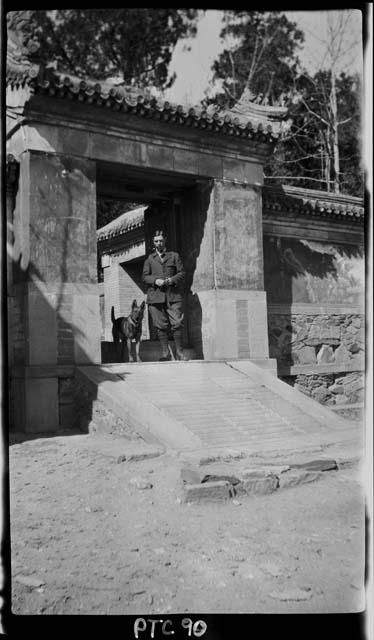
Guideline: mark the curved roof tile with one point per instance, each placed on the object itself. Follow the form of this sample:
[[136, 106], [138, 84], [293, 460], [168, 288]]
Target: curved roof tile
[[260, 125], [314, 203], [123, 224], [285, 199]]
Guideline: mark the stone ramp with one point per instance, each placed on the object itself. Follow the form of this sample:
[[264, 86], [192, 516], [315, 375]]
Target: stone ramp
[[204, 406]]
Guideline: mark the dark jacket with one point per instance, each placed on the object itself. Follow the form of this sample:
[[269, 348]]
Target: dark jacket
[[170, 267]]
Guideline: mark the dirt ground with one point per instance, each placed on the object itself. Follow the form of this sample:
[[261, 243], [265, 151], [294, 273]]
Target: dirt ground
[[94, 543]]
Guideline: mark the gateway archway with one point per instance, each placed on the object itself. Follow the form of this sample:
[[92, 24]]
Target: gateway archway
[[71, 140]]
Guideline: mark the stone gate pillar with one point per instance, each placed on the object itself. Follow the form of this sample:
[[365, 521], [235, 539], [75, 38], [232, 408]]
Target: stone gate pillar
[[54, 302], [228, 281]]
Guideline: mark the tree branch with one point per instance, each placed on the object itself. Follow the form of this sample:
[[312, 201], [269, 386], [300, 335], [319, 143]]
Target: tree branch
[[296, 178], [313, 155], [316, 115], [344, 121]]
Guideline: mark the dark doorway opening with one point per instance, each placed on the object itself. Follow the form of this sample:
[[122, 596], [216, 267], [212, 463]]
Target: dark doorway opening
[[131, 204]]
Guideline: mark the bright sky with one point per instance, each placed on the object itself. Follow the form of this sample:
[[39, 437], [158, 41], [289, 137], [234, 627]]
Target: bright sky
[[193, 68]]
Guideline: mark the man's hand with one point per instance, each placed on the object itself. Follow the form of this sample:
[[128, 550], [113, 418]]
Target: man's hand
[[159, 282], [167, 282]]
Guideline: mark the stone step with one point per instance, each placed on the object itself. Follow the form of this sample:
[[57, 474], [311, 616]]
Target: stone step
[[174, 421]]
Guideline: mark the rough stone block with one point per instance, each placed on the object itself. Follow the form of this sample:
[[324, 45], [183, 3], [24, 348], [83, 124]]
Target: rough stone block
[[293, 478], [354, 347], [357, 385], [351, 377], [336, 388], [302, 389], [305, 355], [314, 336], [360, 395], [208, 491], [330, 334], [321, 394], [342, 355], [316, 465], [352, 329], [320, 333], [325, 354], [257, 485]]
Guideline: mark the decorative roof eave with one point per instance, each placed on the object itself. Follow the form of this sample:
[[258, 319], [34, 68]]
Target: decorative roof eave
[[101, 237], [260, 123], [246, 109], [310, 202], [129, 221]]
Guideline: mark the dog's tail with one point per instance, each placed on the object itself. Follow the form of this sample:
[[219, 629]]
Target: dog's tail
[[112, 315]]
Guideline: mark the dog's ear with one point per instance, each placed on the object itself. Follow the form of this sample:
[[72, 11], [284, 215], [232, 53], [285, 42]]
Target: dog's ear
[[134, 304], [142, 304]]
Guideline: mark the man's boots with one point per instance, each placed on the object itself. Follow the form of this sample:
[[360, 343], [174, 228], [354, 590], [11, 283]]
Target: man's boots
[[163, 338], [180, 355]]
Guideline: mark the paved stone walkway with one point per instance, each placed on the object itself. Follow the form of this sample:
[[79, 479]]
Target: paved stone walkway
[[222, 406]]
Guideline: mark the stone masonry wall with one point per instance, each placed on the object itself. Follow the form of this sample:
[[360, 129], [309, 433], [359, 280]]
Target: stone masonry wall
[[334, 389], [300, 339], [322, 339]]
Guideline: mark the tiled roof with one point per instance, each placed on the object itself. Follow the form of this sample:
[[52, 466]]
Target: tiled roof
[[311, 202], [123, 224], [254, 122], [291, 200]]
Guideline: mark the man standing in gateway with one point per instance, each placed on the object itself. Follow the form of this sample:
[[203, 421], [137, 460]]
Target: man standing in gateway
[[164, 275]]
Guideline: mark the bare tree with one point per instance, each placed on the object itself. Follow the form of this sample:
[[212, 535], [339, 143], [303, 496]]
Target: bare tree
[[337, 47]]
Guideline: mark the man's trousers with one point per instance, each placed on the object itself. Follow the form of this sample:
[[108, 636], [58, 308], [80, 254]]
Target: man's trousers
[[165, 314]]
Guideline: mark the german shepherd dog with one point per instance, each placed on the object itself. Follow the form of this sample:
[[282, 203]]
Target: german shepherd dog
[[129, 329]]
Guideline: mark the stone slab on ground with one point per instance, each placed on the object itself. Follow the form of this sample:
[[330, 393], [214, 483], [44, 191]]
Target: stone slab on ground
[[258, 485], [117, 447], [316, 465], [205, 483], [345, 453], [209, 491], [294, 478]]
